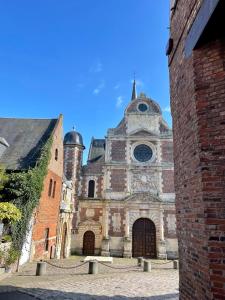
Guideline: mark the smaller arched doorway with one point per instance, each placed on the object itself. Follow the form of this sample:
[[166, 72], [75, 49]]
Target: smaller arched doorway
[[144, 238], [63, 243], [89, 243]]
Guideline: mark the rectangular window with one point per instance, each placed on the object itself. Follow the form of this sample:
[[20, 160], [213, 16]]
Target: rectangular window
[[54, 187], [46, 237], [50, 188]]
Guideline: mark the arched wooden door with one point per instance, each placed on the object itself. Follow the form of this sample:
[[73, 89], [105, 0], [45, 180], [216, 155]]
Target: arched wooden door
[[144, 239], [63, 244], [89, 243]]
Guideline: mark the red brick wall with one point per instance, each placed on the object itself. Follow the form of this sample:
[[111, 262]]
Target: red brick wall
[[47, 216], [168, 181], [118, 151], [198, 110], [118, 180]]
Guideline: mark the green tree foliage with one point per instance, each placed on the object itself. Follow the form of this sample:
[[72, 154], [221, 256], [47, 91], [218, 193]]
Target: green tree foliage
[[24, 190], [9, 212], [3, 179]]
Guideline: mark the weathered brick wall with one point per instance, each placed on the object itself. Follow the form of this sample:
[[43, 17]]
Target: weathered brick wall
[[168, 181], [95, 214], [99, 187], [118, 180], [69, 154], [47, 212], [117, 222], [118, 151], [167, 151], [46, 216], [198, 109]]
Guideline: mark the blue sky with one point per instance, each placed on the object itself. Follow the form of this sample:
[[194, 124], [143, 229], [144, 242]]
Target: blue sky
[[77, 57]]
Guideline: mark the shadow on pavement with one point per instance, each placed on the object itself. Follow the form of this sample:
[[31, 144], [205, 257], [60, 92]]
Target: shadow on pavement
[[36, 293]]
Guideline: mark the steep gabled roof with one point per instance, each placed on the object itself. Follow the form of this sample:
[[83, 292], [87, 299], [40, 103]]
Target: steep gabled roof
[[25, 137], [97, 150]]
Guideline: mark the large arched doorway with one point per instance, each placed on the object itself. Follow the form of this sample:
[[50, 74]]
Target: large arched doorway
[[144, 238], [89, 243], [63, 243]]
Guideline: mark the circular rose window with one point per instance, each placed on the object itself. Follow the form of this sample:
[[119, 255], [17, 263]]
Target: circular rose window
[[142, 107], [143, 153]]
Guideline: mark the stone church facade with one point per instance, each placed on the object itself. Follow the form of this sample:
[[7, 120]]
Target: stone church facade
[[124, 195]]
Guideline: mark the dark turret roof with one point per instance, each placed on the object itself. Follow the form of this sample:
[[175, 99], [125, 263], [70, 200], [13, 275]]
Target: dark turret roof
[[73, 138]]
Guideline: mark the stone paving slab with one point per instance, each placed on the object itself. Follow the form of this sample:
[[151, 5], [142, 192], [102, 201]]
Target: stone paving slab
[[110, 284]]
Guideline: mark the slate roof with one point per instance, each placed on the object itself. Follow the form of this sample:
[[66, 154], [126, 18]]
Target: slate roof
[[97, 150], [25, 137]]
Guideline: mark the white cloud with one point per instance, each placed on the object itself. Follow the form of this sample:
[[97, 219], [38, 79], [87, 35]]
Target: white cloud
[[98, 89], [96, 67], [167, 109], [117, 86], [119, 101]]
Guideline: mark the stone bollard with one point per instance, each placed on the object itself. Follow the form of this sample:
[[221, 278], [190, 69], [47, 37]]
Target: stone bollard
[[41, 268], [175, 264], [140, 261], [93, 267], [147, 266]]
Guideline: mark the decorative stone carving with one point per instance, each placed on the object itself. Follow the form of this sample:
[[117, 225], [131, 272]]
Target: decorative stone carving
[[90, 213], [116, 222], [144, 182]]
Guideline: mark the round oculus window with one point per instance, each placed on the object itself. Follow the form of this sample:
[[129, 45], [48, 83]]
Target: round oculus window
[[143, 153], [142, 107]]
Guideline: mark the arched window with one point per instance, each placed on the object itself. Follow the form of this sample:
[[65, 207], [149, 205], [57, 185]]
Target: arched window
[[91, 189], [50, 188], [56, 154]]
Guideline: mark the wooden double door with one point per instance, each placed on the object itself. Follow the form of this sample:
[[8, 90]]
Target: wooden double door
[[89, 243], [144, 238]]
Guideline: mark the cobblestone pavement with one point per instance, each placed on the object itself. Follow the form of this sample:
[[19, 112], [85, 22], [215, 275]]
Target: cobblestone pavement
[[110, 283]]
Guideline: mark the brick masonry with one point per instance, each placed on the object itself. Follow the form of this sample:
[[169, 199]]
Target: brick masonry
[[198, 109], [118, 180], [46, 214], [168, 181], [118, 151]]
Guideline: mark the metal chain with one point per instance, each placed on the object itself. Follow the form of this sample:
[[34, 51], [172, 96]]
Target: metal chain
[[118, 268], [60, 267]]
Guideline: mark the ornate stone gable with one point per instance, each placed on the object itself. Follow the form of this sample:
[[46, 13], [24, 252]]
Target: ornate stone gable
[[143, 133]]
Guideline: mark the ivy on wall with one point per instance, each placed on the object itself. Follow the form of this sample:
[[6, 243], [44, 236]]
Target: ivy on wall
[[24, 189]]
